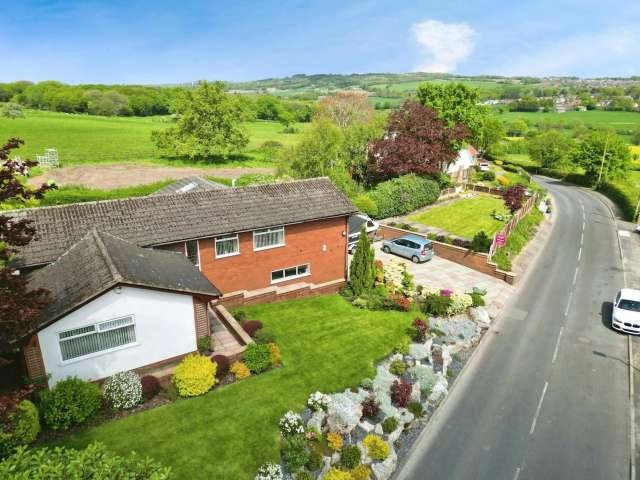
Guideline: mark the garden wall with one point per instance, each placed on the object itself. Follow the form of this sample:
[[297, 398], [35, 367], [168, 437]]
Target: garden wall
[[277, 294], [474, 260], [484, 189]]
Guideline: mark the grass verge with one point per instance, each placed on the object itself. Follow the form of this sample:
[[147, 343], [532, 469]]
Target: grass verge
[[518, 239]]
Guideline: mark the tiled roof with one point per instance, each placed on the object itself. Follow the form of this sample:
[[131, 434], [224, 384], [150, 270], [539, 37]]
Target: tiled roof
[[101, 261], [147, 221], [189, 185]]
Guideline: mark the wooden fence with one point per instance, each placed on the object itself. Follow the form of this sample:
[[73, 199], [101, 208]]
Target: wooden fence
[[508, 228]]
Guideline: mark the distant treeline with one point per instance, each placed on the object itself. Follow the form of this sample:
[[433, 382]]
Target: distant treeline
[[138, 100]]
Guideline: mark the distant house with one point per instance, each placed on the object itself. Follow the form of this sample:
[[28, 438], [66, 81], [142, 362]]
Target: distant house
[[461, 169]]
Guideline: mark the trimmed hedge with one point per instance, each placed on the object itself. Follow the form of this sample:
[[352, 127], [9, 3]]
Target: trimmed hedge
[[71, 402], [402, 195]]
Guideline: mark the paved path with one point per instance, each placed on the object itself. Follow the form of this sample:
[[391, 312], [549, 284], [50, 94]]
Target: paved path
[[546, 396]]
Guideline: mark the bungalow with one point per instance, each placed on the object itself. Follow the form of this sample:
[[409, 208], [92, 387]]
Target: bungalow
[[460, 170], [132, 281]]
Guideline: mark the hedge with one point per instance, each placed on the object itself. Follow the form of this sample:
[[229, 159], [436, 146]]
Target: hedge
[[403, 195]]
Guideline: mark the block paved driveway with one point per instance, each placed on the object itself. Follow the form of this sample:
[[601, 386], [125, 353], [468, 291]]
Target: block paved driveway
[[441, 273]]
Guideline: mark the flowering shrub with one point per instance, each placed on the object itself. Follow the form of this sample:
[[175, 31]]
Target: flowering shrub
[[420, 329], [397, 301], [397, 367], [459, 304], [270, 471], [334, 441], [361, 472], [445, 292], [240, 370], [70, 402], [194, 376], [337, 474], [251, 326], [376, 447], [222, 363], [397, 279], [150, 386], [502, 180], [400, 393], [290, 424], [122, 390], [295, 452], [350, 456], [370, 407], [318, 401], [436, 305], [257, 357], [276, 356]]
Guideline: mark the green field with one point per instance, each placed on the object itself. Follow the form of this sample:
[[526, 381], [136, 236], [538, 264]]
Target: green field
[[83, 139], [406, 87], [465, 217], [327, 345], [592, 117]]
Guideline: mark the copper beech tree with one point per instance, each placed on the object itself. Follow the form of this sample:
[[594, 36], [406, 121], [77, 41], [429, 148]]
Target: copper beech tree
[[416, 141], [19, 306]]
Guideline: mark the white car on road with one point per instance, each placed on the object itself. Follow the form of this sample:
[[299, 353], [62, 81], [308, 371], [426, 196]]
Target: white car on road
[[626, 311]]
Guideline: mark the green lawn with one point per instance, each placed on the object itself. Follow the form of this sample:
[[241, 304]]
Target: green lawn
[[83, 139], [465, 217], [326, 344], [592, 117]]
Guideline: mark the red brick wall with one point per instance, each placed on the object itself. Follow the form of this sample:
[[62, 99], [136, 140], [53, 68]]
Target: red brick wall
[[304, 244], [33, 359], [201, 318]]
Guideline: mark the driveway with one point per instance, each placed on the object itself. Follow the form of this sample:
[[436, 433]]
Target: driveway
[[441, 273]]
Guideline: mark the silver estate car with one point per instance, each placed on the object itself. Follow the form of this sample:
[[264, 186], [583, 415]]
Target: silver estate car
[[415, 247]]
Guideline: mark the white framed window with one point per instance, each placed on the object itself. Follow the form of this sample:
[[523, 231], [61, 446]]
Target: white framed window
[[192, 250], [99, 337], [227, 245], [268, 238], [290, 273]]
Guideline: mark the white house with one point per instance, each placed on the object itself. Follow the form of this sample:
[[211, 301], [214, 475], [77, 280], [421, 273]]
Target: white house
[[460, 170], [115, 307]]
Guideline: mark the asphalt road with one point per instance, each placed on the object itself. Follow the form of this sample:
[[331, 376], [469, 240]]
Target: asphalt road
[[547, 394]]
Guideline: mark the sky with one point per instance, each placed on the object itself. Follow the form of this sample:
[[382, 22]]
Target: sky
[[164, 42]]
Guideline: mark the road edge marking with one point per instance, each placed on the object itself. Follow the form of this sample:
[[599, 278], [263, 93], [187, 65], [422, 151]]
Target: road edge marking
[[632, 411], [535, 418]]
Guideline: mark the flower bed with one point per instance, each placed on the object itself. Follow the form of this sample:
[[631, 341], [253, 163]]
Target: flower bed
[[365, 432]]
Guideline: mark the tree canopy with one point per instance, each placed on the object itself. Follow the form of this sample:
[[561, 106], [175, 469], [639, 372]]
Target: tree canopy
[[208, 124], [346, 108], [603, 155], [550, 148]]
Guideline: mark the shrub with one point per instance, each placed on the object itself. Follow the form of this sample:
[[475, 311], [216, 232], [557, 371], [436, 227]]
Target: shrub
[[361, 472], [222, 363], [370, 407], [336, 474], [400, 393], [489, 176], [71, 402], [291, 424], [402, 346], [477, 299], [294, 452], [481, 242], [504, 181], [436, 305], [257, 357], [150, 386], [95, 461], [318, 401], [350, 456], [334, 441], [365, 203], [376, 447], [251, 326], [22, 428], [270, 471], [397, 301], [362, 270], [205, 344], [240, 370], [459, 242], [419, 328], [367, 384], [514, 197], [262, 336], [315, 461], [397, 367], [459, 304], [415, 408], [275, 356], [240, 316], [404, 194], [122, 390], [194, 376], [389, 425]]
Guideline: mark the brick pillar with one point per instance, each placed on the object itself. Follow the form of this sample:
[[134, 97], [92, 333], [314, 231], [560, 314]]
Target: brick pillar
[[201, 317], [33, 359]]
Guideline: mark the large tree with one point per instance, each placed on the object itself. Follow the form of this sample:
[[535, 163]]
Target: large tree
[[19, 306], [456, 104], [416, 141], [603, 155], [209, 124], [346, 108], [550, 148]]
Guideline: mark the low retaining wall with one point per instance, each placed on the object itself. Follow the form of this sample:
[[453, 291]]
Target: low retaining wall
[[278, 294], [483, 189], [474, 260]]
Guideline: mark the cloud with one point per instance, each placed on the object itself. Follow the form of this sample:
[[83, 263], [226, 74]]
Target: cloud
[[444, 45], [612, 51]]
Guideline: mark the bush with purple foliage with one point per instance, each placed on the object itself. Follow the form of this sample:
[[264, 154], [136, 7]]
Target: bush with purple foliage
[[400, 393], [223, 365], [251, 326]]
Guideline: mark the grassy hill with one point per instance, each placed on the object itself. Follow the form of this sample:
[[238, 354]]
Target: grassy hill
[[85, 139]]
